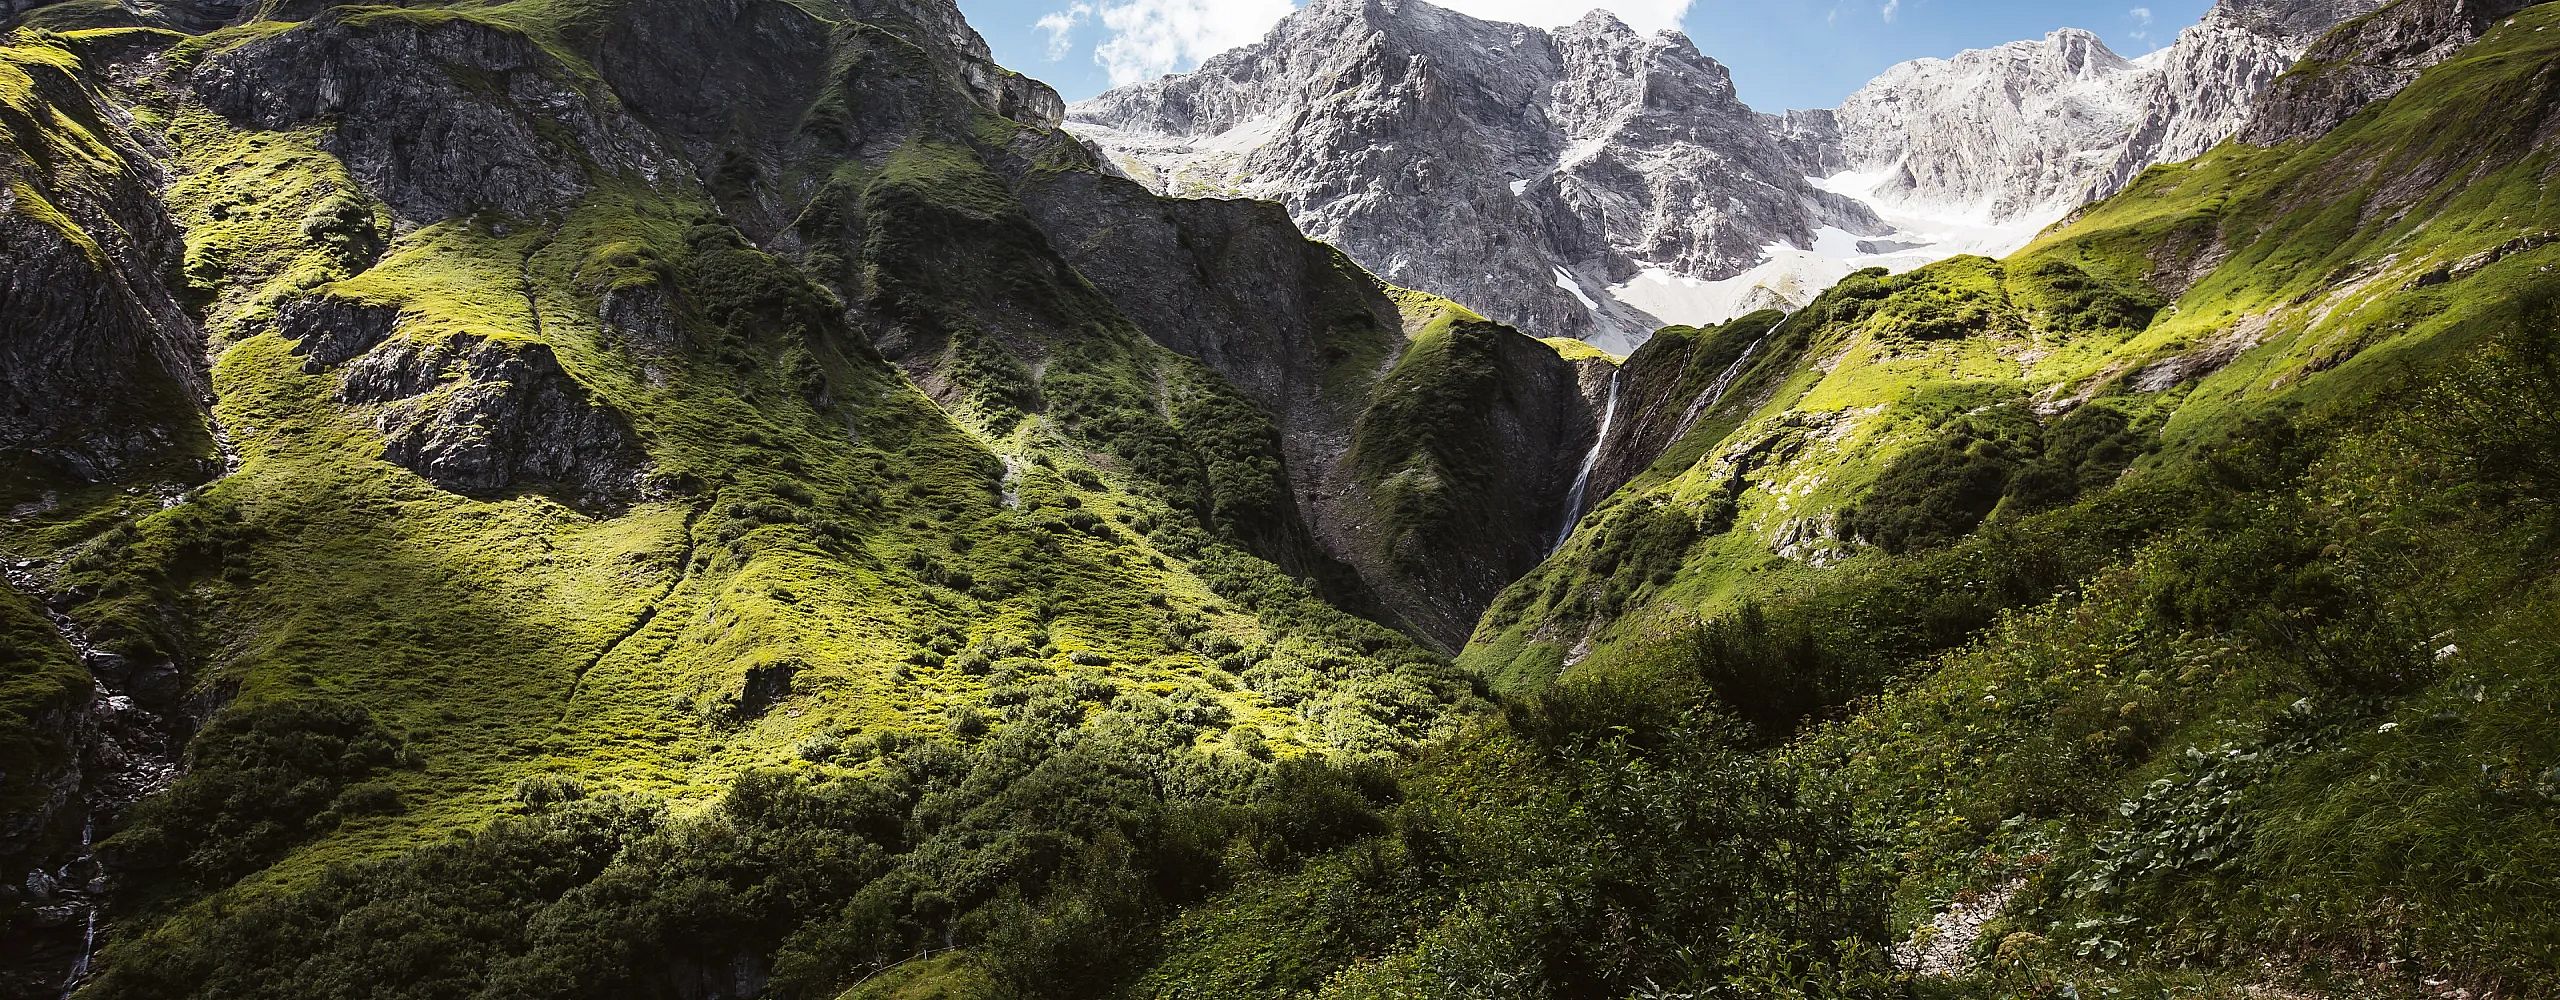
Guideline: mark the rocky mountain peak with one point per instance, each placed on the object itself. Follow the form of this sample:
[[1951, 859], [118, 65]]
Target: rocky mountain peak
[[1997, 132], [1598, 182], [1531, 174], [2200, 90], [2083, 55]]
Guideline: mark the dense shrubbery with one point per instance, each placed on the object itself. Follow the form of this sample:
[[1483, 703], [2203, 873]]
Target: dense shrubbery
[[1963, 297], [2496, 416], [1640, 548], [2000, 460], [1773, 679], [2073, 301], [2308, 717], [1607, 841], [1052, 847], [260, 780], [1938, 492]]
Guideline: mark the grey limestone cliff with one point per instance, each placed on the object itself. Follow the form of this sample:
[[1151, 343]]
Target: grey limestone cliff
[[1594, 182], [1521, 171]]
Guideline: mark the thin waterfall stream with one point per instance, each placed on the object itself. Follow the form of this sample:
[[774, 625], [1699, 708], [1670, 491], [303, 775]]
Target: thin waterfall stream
[[125, 752], [89, 927], [1714, 396], [1591, 462], [1710, 399]]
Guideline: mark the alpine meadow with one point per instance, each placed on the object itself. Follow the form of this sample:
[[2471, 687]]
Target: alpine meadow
[[756, 500]]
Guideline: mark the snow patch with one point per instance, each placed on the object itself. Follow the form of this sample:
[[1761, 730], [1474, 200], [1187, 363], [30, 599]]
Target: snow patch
[[1565, 281], [1183, 165], [1789, 277], [1935, 231]]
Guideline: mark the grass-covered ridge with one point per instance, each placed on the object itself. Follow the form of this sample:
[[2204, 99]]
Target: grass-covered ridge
[[1008, 620], [2173, 583], [2183, 581]]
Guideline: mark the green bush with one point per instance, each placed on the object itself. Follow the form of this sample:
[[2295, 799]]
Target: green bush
[[261, 779]]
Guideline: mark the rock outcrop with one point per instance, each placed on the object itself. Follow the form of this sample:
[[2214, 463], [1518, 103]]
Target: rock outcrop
[[2369, 61], [101, 366], [438, 117], [487, 419]]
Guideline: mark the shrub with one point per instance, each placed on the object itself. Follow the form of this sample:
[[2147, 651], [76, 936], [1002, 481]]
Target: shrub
[[260, 779]]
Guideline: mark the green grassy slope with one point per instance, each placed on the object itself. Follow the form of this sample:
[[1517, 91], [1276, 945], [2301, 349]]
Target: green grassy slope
[[2182, 582], [2249, 279], [2213, 633], [996, 625]]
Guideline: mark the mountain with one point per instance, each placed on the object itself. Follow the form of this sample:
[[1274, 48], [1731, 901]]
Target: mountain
[[2368, 61], [2000, 134], [417, 417], [1559, 181], [615, 498], [1593, 183], [2203, 88]]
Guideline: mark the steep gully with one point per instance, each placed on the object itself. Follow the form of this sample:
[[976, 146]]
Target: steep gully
[[1578, 501], [126, 752], [1575, 500], [1714, 396]]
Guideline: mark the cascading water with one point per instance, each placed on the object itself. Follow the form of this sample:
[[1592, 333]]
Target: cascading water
[[1590, 463], [1716, 390], [89, 929], [126, 754]]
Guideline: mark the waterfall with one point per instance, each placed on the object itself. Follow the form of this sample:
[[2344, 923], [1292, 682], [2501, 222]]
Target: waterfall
[[118, 731], [1590, 462], [89, 933], [1716, 390]]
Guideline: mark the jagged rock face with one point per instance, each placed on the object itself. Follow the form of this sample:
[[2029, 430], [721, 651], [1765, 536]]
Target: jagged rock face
[[1230, 283], [499, 129], [2367, 62], [998, 89], [1520, 171], [2025, 132], [101, 368], [1812, 138], [1596, 183], [487, 419], [2002, 132], [723, 80], [2203, 87], [328, 331]]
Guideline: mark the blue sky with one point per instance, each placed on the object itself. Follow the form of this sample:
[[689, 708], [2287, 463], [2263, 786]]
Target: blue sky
[[1784, 53]]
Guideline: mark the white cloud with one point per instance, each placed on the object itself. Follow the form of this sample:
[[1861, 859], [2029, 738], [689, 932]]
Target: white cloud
[[1061, 27], [1150, 38], [1891, 8], [2141, 23]]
